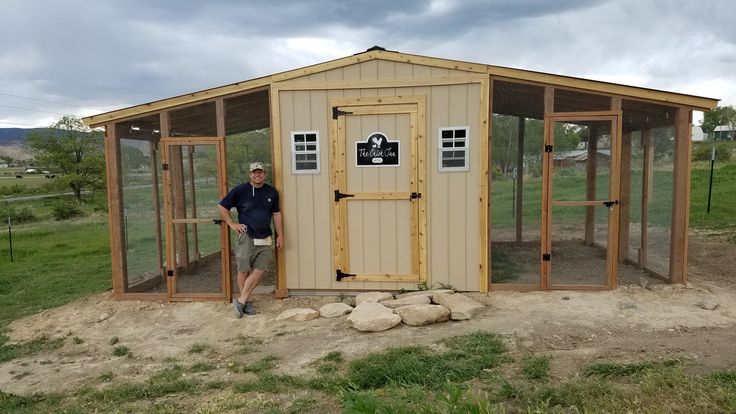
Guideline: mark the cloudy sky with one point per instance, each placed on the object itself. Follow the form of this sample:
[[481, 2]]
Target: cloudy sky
[[86, 57]]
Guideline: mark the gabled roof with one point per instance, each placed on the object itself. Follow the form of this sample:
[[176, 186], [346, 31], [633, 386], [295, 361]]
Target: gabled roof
[[678, 99]]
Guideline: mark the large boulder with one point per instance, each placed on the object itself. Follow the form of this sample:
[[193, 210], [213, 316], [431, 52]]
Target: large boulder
[[298, 315], [418, 315], [333, 310], [428, 293], [373, 297], [373, 317], [461, 307], [409, 300]]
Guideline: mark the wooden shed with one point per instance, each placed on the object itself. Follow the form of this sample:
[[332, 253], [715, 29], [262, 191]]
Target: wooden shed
[[400, 171]]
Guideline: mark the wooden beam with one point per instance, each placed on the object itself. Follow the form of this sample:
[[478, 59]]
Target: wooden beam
[[115, 210], [625, 198], [222, 187], [646, 192], [157, 209], [590, 187], [680, 196], [484, 196], [546, 248], [278, 182], [520, 177]]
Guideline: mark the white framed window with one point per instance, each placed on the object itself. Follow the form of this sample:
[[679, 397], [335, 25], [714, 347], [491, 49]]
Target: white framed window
[[305, 152], [453, 146]]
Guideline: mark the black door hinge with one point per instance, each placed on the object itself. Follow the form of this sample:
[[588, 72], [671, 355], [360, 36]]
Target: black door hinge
[[339, 275], [170, 273], [339, 195], [217, 221], [337, 112], [165, 167], [548, 148], [414, 196], [610, 204], [546, 257]]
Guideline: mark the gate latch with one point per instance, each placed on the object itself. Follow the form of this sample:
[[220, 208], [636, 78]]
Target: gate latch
[[546, 257], [339, 195], [415, 196], [610, 203], [217, 221], [548, 148]]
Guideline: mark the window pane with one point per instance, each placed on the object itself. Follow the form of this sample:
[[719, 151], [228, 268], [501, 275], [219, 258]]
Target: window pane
[[298, 137], [460, 144], [311, 147], [460, 133], [300, 147], [311, 137], [447, 133], [447, 144]]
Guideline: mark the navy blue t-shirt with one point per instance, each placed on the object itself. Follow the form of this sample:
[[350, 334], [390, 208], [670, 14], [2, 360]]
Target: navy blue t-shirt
[[255, 207]]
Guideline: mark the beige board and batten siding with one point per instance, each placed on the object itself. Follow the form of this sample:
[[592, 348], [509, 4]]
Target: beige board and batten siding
[[453, 245]]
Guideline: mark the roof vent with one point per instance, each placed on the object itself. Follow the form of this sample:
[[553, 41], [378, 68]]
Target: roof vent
[[376, 48]]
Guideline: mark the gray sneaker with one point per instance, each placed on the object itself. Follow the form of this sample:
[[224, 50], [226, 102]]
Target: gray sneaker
[[238, 308], [249, 309]]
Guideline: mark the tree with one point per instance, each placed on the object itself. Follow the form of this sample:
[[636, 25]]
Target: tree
[[723, 115], [72, 150]]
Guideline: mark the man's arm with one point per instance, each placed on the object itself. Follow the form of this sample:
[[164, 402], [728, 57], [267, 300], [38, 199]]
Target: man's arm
[[277, 221], [225, 214]]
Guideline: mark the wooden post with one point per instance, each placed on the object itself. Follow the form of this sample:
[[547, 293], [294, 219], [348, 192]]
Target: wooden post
[[519, 177], [646, 190], [157, 208], [591, 167], [624, 198], [546, 247], [680, 196], [225, 230], [115, 210]]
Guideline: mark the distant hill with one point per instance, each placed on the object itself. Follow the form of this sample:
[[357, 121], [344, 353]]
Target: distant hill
[[12, 143], [13, 135]]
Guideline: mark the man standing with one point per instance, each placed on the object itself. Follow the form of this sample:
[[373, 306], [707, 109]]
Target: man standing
[[256, 203]]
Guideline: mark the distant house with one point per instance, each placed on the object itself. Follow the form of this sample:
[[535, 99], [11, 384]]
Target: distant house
[[723, 133], [579, 159], [3, 165], [698, 134]]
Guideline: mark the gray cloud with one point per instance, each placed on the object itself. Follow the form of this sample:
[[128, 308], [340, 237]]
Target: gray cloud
[[109, 54]]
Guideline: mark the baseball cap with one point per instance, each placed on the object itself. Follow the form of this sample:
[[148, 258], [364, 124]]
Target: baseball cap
[[256, 166]]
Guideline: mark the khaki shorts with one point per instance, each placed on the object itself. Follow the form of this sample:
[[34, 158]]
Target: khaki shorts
[[249, 257]]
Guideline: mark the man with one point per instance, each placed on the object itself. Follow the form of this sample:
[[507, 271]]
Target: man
[[256, 203]]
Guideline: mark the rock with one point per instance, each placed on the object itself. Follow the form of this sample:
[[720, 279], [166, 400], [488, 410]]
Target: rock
[[627, 305], [409, 300], [114, 340], [373, 317], [373, 297], [333, 310], [428, 293], [707, 304], [348, 300], [461, 307], [298, 315], [418, 315], [643, 282]]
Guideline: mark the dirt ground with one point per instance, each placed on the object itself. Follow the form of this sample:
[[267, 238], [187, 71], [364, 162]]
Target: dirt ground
[[695, 323]]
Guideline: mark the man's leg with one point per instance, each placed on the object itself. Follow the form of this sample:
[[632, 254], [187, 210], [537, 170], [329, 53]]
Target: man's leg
[[250, 282], [241, 281]]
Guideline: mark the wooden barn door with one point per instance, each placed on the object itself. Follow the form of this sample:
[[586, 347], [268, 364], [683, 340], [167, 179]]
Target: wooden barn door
[[580, 200], [197, 240], [378, 181]]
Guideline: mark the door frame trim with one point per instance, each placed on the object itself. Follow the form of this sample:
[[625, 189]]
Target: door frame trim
[[169, 221], [616, 117], [415, 106]]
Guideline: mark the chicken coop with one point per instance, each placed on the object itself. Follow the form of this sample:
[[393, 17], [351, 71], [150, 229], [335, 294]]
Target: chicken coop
[[399, 171]]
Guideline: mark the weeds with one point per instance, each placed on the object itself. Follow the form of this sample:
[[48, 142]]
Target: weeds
[[197, 348], [535, 368], [42, 343], [121, 350]]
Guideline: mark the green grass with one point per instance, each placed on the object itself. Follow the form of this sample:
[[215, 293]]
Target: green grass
[[535, 368], [54, 263]]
